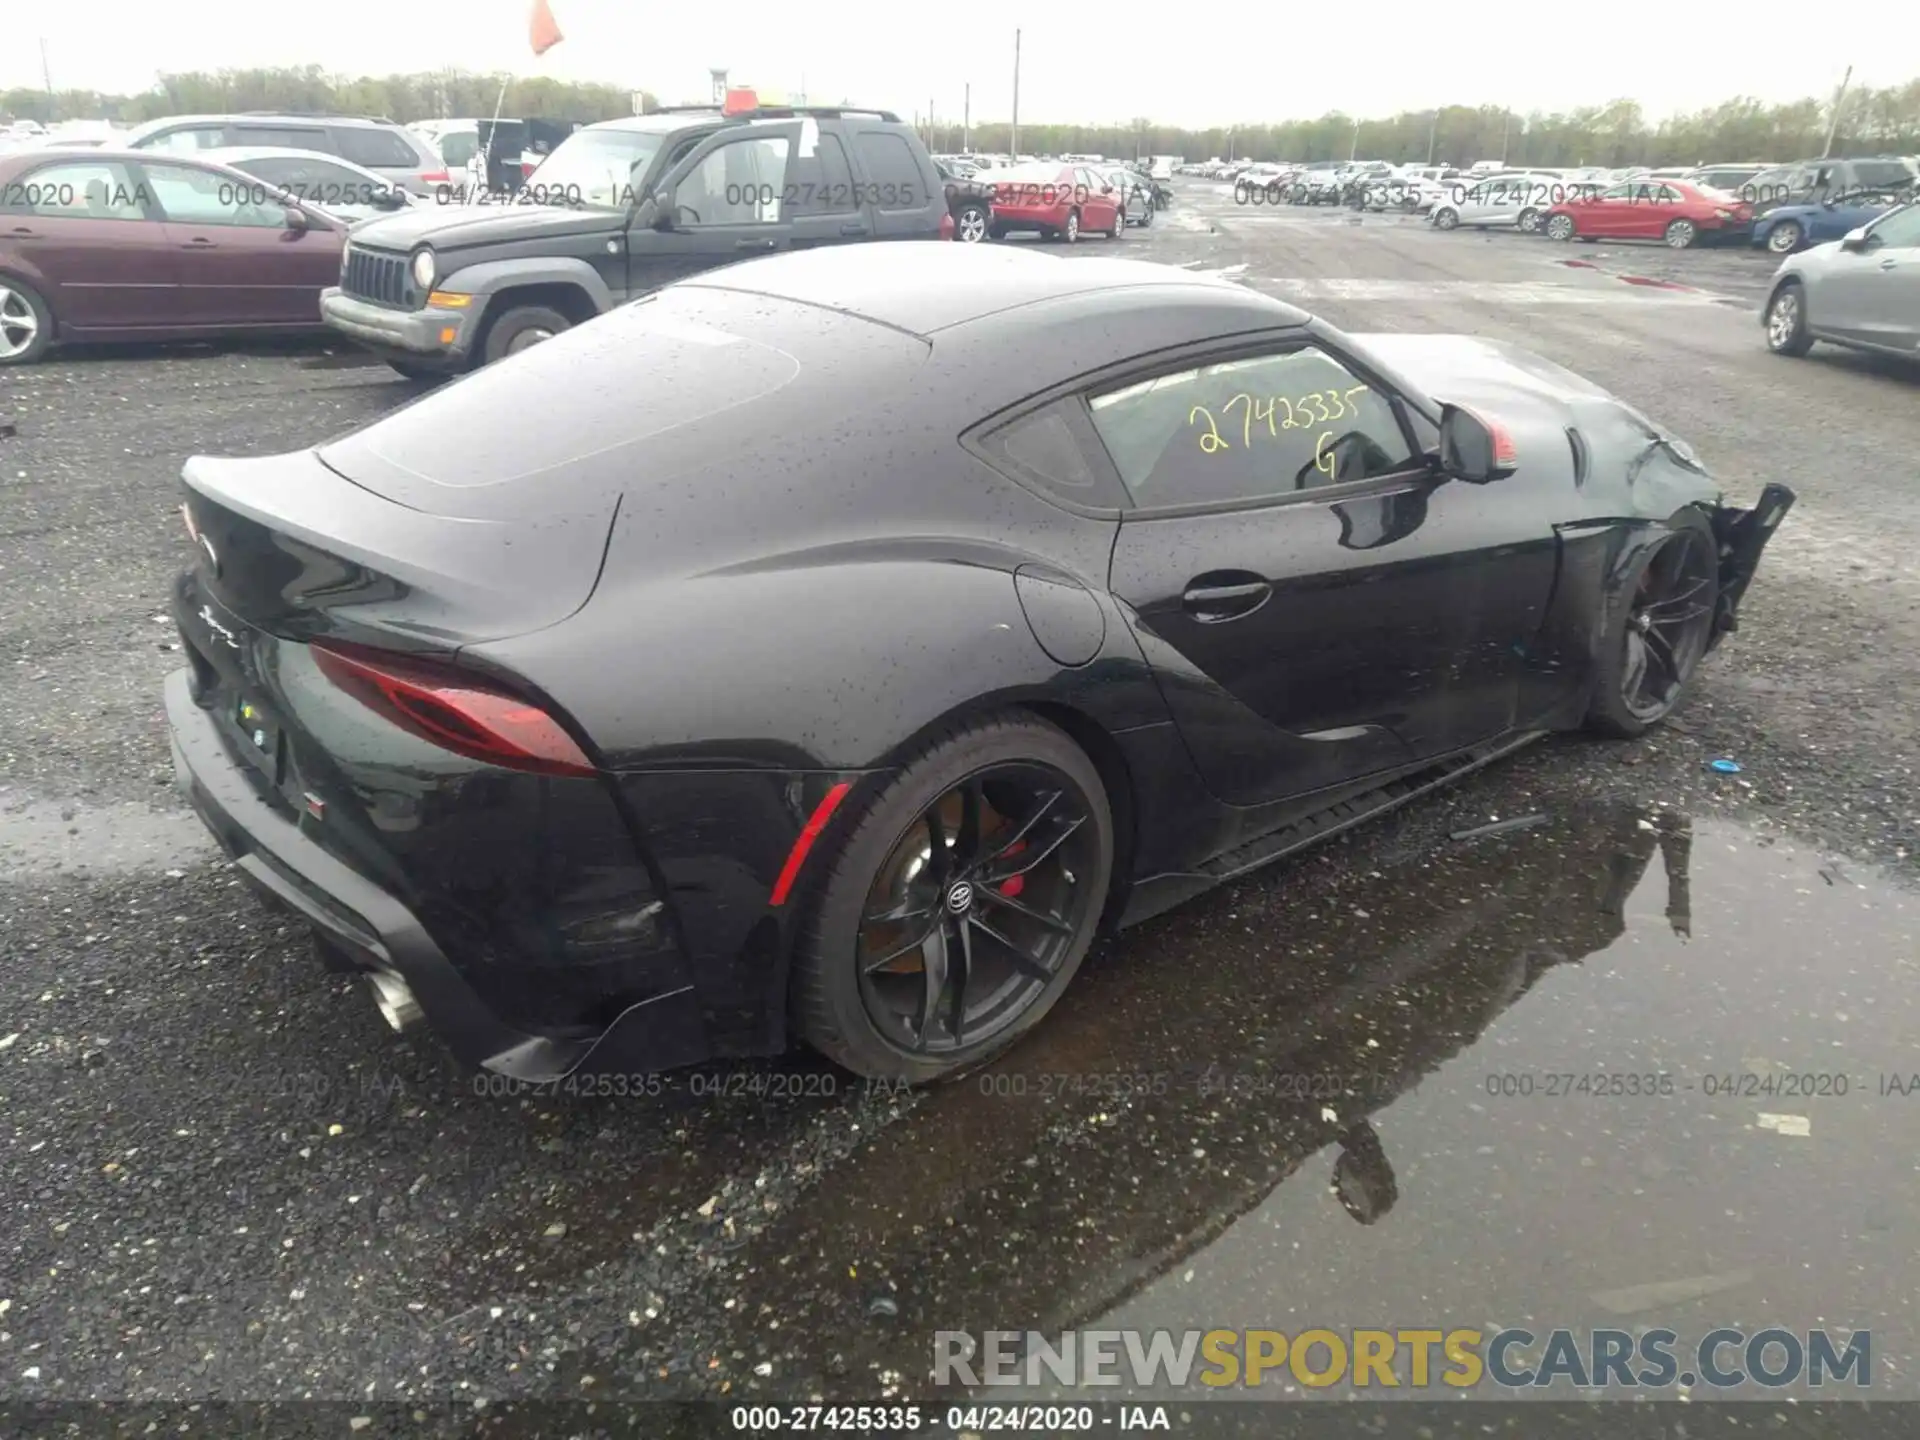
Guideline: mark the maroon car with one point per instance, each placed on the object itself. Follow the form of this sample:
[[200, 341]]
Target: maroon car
[[134, 245]]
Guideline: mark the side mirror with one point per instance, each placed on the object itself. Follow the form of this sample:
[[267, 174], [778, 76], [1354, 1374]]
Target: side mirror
[[1473, 450], [394, 199], [1855, 239], [296, 219]]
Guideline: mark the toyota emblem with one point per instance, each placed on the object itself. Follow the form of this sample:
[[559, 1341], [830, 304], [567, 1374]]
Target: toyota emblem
[[960, 897]]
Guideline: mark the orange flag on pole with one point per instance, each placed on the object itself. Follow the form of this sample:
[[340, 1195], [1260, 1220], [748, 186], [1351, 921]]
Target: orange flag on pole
[[543, 30]]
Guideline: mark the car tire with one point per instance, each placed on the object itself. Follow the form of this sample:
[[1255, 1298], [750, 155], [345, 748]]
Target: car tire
[[26, 323], [1619, 707], [972, 225], [1787, 332], [1070, 234], [1562, 228], [1529, 222], [1786, 237], [1680, 235], [1446, 219], [1119, 230], [519, 328], [834, 993]]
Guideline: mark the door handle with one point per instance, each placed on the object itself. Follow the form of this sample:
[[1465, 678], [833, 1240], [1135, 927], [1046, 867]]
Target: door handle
[[1224, 597], [853, 229], [1888, 264], [753, 244], [23, 230], [200, 242]]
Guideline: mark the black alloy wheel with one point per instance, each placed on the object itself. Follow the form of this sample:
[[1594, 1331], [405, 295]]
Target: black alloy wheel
[[1662, 627], [961, 906]]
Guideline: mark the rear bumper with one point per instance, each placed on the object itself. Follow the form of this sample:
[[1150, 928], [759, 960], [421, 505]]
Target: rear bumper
[[414, 335], [376, 932]]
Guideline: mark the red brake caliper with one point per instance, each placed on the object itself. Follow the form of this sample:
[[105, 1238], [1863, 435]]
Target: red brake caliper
[[1013, 884]]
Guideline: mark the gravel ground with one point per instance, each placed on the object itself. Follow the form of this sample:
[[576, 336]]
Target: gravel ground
[[227, 1181]]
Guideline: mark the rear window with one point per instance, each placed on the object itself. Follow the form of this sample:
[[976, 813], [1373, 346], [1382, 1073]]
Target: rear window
[[635, 401], [1881, 172], [376, 149]]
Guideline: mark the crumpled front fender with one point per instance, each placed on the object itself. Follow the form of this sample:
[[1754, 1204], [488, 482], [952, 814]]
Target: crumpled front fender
[[1743, 536]]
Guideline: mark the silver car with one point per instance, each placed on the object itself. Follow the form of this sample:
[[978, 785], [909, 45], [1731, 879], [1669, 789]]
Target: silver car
[[1862, 292]]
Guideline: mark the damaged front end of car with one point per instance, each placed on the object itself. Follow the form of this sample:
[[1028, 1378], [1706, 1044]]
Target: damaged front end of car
[[1742, 535]]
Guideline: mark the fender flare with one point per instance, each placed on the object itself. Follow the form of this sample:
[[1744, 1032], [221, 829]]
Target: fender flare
[[491, 277]]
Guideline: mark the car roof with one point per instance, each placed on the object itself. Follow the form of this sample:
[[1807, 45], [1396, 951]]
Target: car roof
[[227, 154], [924, 289]]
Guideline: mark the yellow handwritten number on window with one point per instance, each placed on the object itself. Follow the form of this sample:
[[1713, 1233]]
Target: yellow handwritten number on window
[[1323, 457], [1210, 441]]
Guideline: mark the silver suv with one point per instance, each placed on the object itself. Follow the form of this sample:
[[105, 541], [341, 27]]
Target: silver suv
[[392, 152]]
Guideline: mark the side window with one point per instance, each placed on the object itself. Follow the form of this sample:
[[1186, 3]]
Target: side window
[[457, 147], [1617, 192], [1900, 228], [82, 190], [1265, 427], [188, 139], [1043, 445], [823, 185], [285, 137], [200, 197], [892, 170], [739, 183], [374, 148]]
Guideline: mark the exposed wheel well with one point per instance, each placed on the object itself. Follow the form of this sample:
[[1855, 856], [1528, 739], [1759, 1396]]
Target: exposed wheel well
[[570, 300]]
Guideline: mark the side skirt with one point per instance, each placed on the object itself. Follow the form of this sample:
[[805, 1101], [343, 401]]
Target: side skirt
[[1162, 892]]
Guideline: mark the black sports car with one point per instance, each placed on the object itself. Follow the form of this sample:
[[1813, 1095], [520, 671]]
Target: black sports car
[[848, 635]]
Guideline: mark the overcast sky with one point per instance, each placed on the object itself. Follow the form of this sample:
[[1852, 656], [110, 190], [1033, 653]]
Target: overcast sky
[[1079, 61]]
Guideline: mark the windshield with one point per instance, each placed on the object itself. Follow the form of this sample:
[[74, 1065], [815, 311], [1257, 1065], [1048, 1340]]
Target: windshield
[[601, 169]]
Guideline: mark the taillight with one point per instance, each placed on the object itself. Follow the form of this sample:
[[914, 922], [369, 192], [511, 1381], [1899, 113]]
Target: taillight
[[454, 710], [946, 226], [434, 177]]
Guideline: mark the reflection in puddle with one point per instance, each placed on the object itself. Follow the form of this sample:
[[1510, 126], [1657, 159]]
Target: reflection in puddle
[[46, 837], [1478, 1037]]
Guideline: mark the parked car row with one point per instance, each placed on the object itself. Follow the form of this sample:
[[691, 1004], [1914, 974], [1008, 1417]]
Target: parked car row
[[1850, 271], [200, 226]]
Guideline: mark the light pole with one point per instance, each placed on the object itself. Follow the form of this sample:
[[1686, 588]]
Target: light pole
[[1833, 128], [966, 120], [1013, 140], [1433, 130], [1353, 150], [1506, 125]]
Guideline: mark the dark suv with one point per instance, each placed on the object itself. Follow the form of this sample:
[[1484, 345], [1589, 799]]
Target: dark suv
[[621, 208]]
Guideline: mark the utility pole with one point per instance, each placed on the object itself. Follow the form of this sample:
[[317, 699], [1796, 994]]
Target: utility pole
[[1506, 125], [932, 134], [1833, 127], [1353, 150], [46, 77], [1013, 143], [1433, 130], [966, 120]]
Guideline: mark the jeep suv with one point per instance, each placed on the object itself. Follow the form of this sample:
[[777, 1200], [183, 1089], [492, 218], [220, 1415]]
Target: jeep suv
[[391, 151], [619, 209]]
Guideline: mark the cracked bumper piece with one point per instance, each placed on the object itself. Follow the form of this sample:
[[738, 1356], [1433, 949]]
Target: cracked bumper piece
[[1743, 537]]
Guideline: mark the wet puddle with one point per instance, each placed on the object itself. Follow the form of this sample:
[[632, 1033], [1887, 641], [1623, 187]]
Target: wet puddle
[[43, 837], [1620, 1069]]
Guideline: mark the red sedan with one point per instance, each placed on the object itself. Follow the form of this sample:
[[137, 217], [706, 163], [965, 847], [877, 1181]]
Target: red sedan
[[1059, 201], [1668, 210], [143, 245]]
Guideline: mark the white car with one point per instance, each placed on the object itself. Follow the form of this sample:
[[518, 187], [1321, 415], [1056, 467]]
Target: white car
[[1517, 199]]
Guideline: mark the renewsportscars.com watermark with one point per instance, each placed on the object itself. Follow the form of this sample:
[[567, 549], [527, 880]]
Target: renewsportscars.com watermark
[[1415, 1359]]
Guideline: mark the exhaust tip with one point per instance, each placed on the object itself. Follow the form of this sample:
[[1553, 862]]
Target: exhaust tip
[[395, 1001]]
